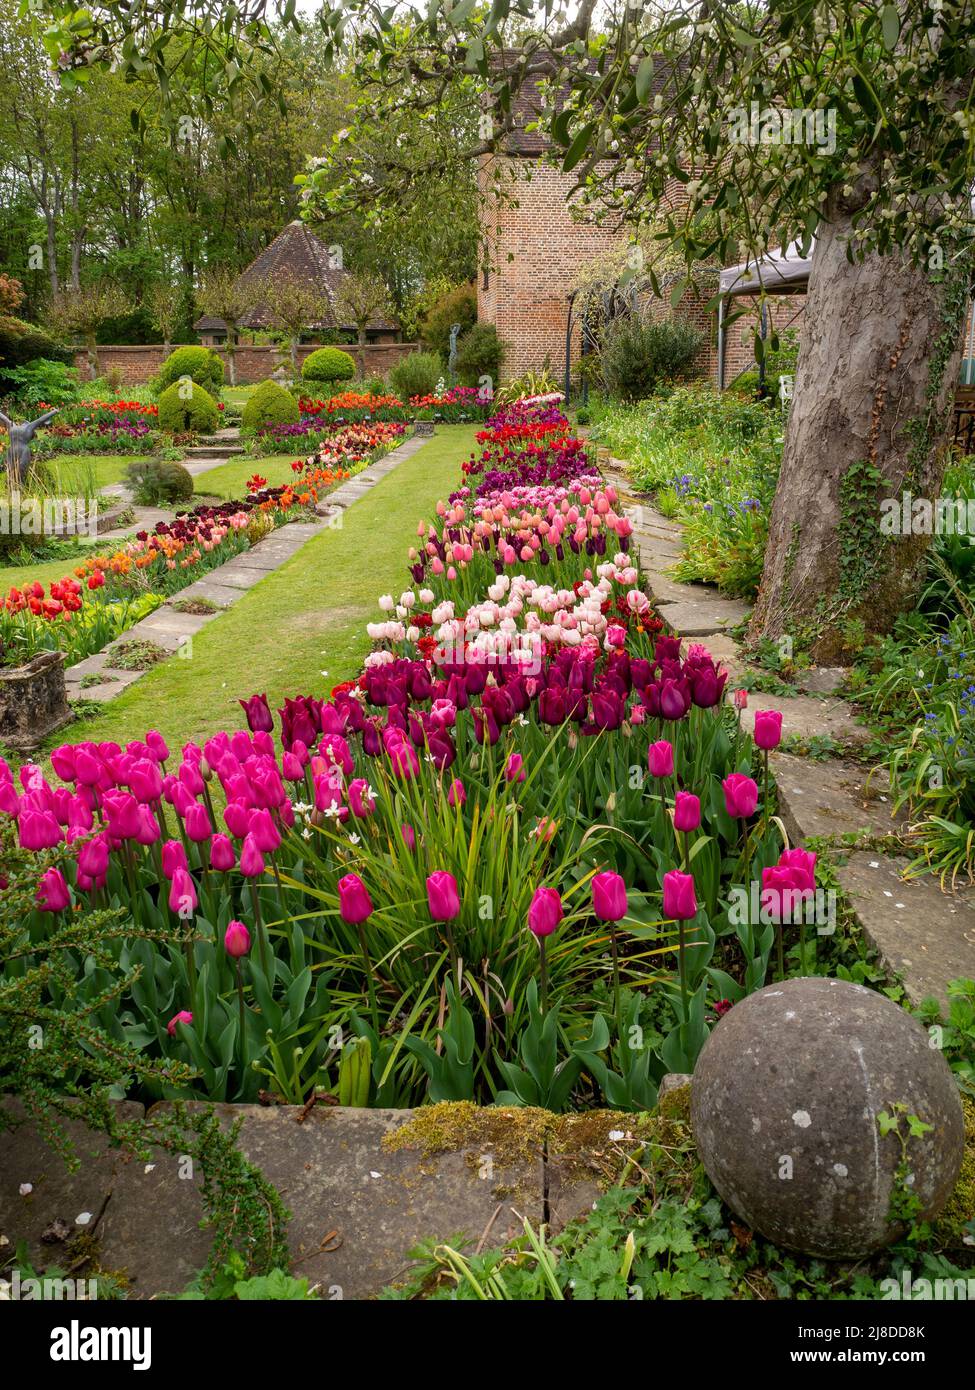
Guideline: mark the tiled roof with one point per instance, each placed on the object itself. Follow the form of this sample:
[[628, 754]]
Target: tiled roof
[[294, 254]]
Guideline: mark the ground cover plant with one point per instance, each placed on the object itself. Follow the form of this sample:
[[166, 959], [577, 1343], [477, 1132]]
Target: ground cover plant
[[480, 869], [710, 460]]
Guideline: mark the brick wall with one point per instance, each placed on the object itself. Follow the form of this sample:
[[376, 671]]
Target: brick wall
[[537, 245], [137, 364], [526, 297]]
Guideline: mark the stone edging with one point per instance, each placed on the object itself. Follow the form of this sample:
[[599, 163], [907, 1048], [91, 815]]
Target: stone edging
[[171, 629]]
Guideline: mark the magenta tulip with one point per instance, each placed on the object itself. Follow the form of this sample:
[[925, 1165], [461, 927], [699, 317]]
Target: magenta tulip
[[687, 811], [545, 912], [52, 892], [198, 827], [236, 940], [457, 795], [147, 830], [680, 904], [660, 759], [93, 857], [251, 858], [264, 831], [514, 770], [222, 856], [768, 728], [38, 830], [443, 896], [184, 1016], [355, 904], [740, 795], [173, 858], [182, 894], [609, 897], [409, 836], [237, 816]]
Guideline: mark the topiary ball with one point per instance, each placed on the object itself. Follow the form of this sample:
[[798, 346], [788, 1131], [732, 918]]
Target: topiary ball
[[788, 1103], [200, 364], [186, 406], [328, 364], [270, 404]]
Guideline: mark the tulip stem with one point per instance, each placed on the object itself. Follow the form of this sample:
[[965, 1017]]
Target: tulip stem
[[259, 927], [543, 965], [682, 965], [243, 1026], [765, 801], [614, 946], [371, 985]]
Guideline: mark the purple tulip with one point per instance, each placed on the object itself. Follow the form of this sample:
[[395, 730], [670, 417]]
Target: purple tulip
[[609, 897], [443, 896]]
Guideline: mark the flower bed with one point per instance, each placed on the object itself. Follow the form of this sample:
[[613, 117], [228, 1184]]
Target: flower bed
[[502, 864], [341, 445]]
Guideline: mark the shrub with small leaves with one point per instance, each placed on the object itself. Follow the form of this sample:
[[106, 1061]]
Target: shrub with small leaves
[[187, 406], [156, 482], [328, 364], [270, 404]]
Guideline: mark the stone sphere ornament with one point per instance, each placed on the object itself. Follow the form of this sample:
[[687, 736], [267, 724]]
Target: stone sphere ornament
[[785, 1106]]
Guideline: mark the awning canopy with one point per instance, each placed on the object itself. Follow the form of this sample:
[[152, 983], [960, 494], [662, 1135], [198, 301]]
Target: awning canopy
[[777, 272]]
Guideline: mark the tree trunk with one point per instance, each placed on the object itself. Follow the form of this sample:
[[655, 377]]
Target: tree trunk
[[878, 366], [231, 348], [362, 352]]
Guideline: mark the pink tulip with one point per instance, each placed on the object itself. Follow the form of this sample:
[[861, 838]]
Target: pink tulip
[[740, 795], [361, 803], [147, 830], [184, 1016], [660, 759], [222, 856], [52, 892], [173, 858], [768, 728], [182, 894], [443, 896], [38, 830], [457, 795], [513, 769], [687, 811], [236, 940], [545, 912], [355, 904], [409, 836], [198, 827], [237, 817], [680, 904], [609, 897], [251, 858], [93, 857], [264, 831], [157, 745]]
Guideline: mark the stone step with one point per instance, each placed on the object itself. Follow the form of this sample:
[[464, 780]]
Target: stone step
[[214, 451], [808, 717], [830, 799], [921, 933], [699, 617]]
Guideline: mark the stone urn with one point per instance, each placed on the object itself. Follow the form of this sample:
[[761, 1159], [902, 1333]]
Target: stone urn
[[33, 701]]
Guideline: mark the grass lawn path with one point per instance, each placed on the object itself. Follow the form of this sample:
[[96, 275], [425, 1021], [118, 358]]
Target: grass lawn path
[[303, 628]]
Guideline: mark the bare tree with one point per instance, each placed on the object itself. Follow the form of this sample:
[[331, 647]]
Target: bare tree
[[359, 300], [165, 304], [222, 296], [80, 313], [293, 307]]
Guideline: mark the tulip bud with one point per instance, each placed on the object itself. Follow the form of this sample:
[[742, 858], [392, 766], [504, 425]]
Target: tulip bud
[[236, 940], [545, 911], [680, 904], [355, 904], [443, 896]]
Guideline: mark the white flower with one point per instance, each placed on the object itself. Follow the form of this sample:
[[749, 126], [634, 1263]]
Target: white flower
[[387, 603]]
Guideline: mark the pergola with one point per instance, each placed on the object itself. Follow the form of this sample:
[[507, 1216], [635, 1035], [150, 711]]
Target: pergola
[[777, 272]]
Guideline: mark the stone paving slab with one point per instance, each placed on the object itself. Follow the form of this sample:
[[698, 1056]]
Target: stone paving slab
[[367, 1206], [222, 594], [698, 618], [105, 690], [56, 1193], [149, 631], [241, 577], [832, 799], [921, 933]]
